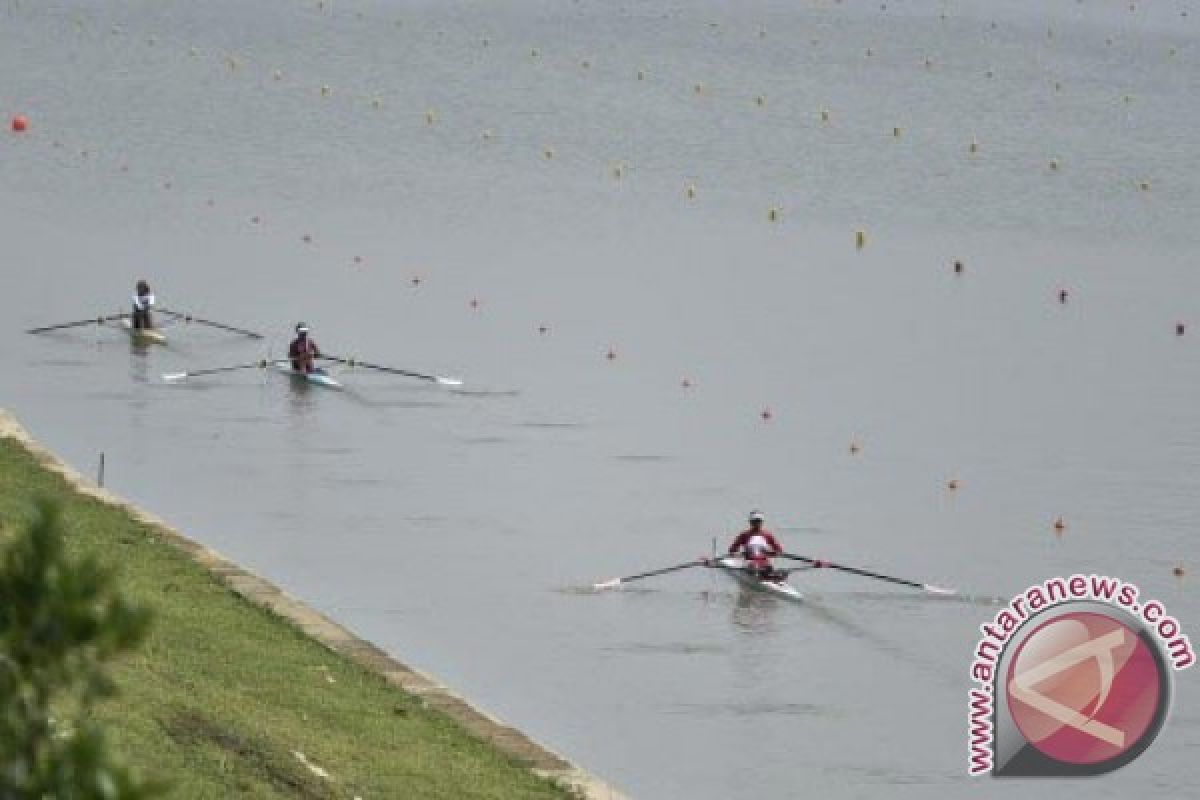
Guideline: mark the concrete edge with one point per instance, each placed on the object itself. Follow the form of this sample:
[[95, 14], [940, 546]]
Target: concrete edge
[[540, 759]]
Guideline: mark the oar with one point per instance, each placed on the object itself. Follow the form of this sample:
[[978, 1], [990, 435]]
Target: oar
[[615, 582], [354, 362], [93, 321], [171, 377], [189, 318], [816, 562]]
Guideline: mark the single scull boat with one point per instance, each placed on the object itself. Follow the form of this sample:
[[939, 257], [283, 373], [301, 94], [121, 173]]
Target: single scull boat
[[143, 335], [735, 567], [318, 376]]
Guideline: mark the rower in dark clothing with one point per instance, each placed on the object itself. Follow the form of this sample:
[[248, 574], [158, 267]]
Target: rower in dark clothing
[[143, 301]]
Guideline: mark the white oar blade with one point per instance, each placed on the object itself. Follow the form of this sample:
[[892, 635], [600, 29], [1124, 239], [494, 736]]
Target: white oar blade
[[612, 584], [937, 589], [171, 377], [449, 381]]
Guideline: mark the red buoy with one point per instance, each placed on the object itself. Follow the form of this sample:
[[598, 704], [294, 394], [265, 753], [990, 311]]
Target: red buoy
[[20, 123]]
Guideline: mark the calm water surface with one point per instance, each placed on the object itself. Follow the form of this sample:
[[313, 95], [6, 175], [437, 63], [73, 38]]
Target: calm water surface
[[477, 172]]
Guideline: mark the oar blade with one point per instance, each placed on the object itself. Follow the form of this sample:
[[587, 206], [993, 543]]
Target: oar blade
[[609, 584], [447, 381], [173, 377], [941, 590]]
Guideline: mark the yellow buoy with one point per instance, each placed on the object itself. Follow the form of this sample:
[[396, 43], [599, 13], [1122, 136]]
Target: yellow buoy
[[760, 100], [533, 53], [896, 132], [690, 191], [641, 74], [548, 153], [487, 134], [860, 239], [325, 91], [773, 214], [1144, 186], [825, 115], [698, 88], [376, 103], [973, 147], [430, 117], [277, 75], [1054, 163]]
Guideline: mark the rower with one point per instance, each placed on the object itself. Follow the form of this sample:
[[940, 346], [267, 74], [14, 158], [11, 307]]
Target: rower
[[756, 544], [143, 301], [303, 350]]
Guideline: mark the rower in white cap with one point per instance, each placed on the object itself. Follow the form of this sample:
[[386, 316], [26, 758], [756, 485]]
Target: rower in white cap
[[756, 544], [303, 350]]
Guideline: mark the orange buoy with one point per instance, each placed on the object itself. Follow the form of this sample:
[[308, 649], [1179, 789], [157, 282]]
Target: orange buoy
[[20, 123], [1059, 525]]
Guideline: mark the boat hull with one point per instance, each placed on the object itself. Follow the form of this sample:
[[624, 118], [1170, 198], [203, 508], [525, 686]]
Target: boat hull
[[143, 335], [735, 568], [317, 377]]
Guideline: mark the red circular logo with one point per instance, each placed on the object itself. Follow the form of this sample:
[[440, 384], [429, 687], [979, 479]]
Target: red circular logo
[[1084, 688]]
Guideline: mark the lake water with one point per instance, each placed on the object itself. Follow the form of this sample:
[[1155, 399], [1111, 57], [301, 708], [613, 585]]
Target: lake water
[[512, 192]]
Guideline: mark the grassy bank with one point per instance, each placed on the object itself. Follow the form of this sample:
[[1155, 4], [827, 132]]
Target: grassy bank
[[226, 700]]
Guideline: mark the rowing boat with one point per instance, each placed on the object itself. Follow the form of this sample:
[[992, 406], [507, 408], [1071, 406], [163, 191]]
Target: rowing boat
[[735, 568], [318, 376], [143, 335]]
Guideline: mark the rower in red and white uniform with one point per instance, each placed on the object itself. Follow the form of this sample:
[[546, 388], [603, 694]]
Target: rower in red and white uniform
[[756, 544], [303, 350]]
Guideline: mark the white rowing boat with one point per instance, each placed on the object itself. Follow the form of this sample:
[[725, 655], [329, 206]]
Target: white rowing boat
[[735, 567], [143, 335], [318, 376]]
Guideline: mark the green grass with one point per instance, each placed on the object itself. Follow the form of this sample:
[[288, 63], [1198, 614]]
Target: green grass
[[222, 694]]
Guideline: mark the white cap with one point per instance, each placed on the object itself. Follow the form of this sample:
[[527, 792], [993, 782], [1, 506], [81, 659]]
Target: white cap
[[756, 516]]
